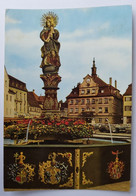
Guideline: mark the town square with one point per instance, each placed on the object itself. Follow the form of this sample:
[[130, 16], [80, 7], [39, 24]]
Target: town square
[[67, 98]]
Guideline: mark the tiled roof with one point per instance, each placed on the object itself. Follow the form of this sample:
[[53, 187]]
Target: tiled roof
[[129, 90], [104, 89], [32, 100], [15, 83], [74, 93], [39, 99]]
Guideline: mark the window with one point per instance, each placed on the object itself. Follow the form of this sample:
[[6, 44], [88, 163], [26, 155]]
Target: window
[[71, 101], [82, 92], [88, 109], [82, 101], [106, 100], [100, 101], [88, 101], [6, 83], [93, 101], [128, 98], [76, 110], [83, 109], [93, 109], [7, 97], [100, 120], [76, 101], [88, 91], [106, 109], [100, 110], [71, 110], [10, 98], [93, 91], [128, 108]]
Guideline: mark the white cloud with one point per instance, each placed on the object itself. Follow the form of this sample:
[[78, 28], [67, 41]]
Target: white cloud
[[76, 34], [10, 20], [24, 44], [22, 39], [110, 51], [113, 55]]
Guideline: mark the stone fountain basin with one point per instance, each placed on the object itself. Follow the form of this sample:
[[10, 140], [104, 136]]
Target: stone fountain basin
[[87, 164]]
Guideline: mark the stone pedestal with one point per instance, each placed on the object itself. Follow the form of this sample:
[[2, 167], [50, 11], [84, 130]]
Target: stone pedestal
[[50, 106]]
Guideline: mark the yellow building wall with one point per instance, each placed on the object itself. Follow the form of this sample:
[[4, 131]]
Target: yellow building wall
[[20, 102], [9, 99], [127, 114]]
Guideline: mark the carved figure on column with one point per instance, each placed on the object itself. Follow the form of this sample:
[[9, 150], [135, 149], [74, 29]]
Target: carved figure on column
[[50, 50], [50, 62]]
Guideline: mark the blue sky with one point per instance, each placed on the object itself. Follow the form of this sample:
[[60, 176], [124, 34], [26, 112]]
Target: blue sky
[[103, 32]]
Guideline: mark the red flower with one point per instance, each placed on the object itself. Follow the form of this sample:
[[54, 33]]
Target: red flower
[[58, 123], [49, 123], [66, 123]]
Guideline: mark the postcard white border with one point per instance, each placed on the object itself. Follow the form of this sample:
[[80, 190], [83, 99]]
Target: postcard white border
[[55, 4]]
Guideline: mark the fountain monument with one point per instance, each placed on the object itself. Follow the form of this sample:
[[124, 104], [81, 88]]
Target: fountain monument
[[50, 64]]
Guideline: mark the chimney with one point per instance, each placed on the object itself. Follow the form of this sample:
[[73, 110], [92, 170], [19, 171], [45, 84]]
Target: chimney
[[110, 81], [116, 84], [33, 91]]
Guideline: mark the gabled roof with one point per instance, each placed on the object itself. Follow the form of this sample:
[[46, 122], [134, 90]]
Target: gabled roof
[[129, 90], [74, 93], [32, 100], [104, 88]]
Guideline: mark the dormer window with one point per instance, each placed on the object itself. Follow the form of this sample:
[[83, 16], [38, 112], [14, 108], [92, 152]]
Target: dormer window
[[93, 91], [88, 91], [71, 101], [82, 92]]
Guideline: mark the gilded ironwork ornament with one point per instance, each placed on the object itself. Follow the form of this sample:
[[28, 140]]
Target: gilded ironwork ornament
[[116, 168], [69, 183], [84, 180], [68, 155], [19, 171], [85, 156], [77, 168]]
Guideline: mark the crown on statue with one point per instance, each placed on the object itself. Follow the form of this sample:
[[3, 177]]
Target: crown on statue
[[50, 16]]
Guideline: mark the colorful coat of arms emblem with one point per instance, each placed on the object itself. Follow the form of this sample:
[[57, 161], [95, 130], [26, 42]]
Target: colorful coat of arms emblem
[[52, 171], [116, 168], [19, 171]]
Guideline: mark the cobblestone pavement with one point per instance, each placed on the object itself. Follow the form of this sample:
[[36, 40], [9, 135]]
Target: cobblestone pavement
[[120, 186]]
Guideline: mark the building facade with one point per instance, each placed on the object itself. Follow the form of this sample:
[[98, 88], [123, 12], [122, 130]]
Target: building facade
[[34, 109], [20, 99], [9, 98], [127, 105], [95, 99]]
